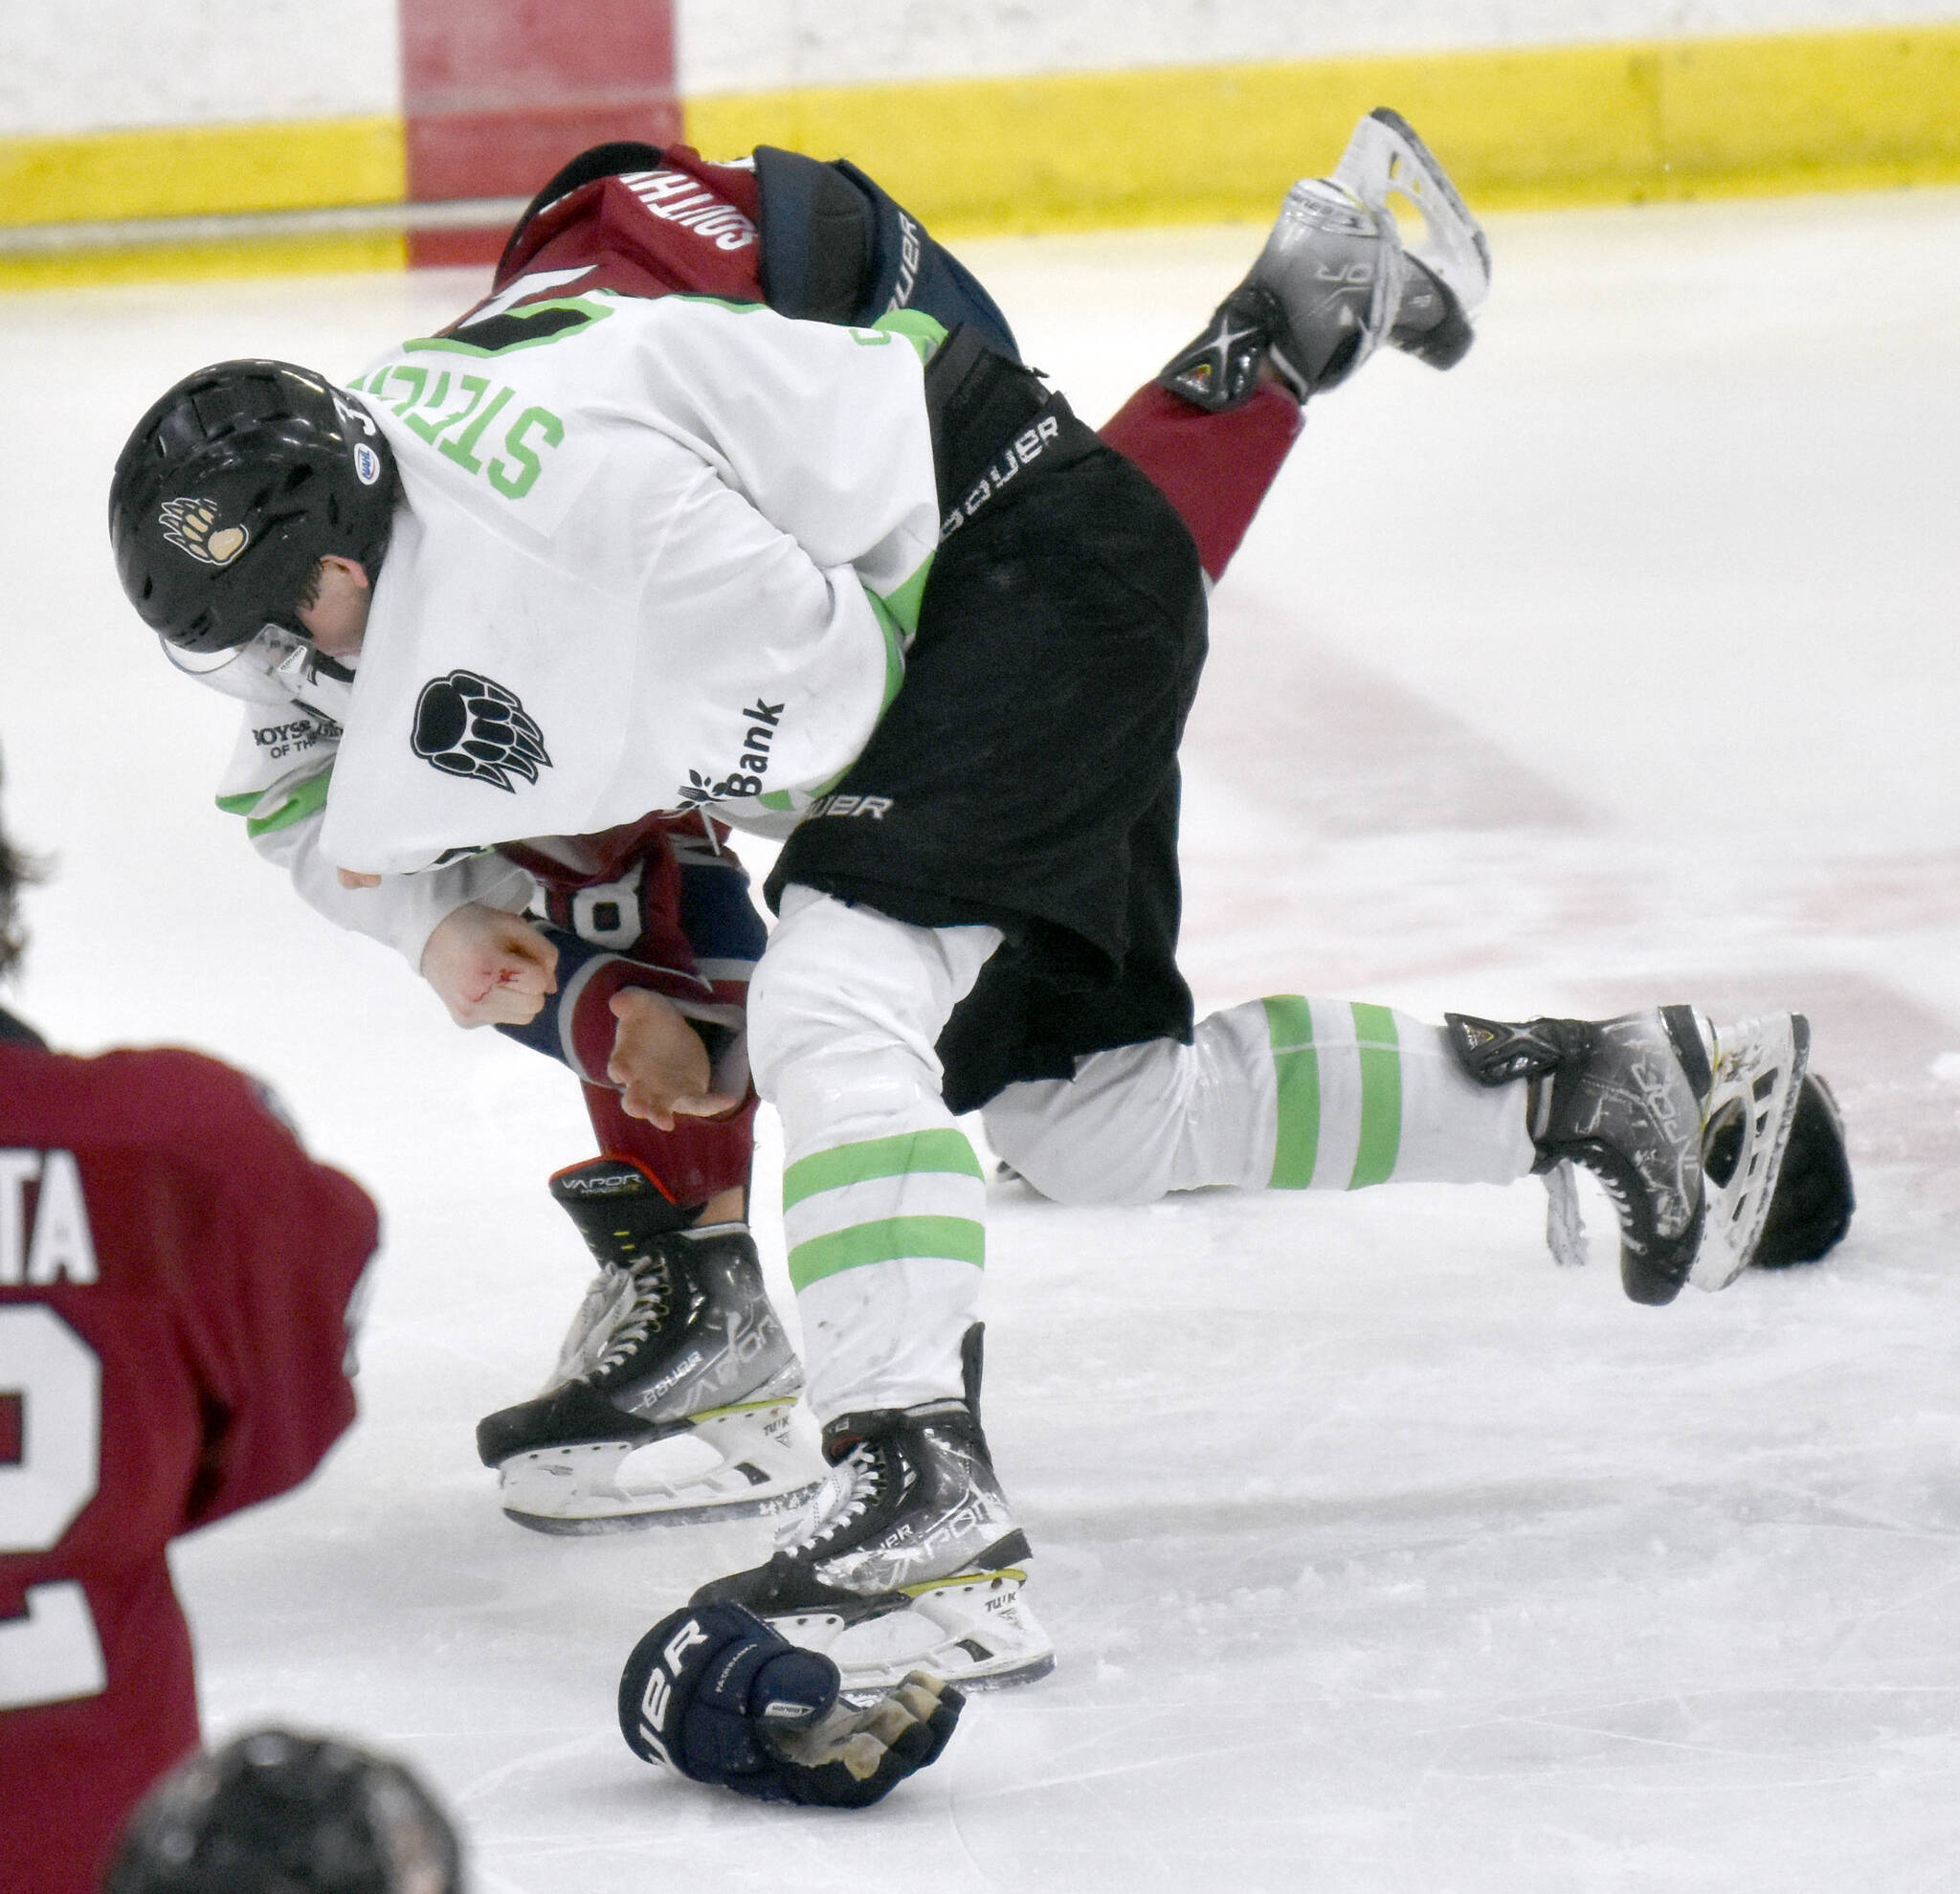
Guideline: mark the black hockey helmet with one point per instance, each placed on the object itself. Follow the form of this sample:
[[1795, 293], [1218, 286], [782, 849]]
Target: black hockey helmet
[[277, 1813], [231, 489]]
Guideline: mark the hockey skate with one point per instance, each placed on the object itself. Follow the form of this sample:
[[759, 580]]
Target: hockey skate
[[1682, 1124], [1335, 279], [675, 1397], [1754, 1077], [908, 1559]]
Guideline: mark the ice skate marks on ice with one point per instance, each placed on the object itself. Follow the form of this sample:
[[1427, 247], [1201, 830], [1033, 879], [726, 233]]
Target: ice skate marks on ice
[[750, 1459], [1757, 1075]]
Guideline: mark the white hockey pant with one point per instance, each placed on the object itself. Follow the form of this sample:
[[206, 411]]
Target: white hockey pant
[[883, 1199], [1278, 1094], [883, 1196]]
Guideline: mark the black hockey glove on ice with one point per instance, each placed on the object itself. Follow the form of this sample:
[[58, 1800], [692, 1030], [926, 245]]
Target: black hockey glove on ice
[[718, 1695]]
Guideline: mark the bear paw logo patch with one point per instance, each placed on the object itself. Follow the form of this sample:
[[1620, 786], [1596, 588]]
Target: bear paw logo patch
[[192, 524], [467, 724]]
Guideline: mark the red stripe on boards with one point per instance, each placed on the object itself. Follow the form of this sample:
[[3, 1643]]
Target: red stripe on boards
[[498, 94]]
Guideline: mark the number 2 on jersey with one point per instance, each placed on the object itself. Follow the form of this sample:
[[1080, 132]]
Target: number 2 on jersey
[[51, 1653]]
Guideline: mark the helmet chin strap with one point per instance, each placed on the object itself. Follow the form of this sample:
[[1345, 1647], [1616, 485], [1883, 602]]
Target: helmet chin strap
[[314, 680], [331, 667]]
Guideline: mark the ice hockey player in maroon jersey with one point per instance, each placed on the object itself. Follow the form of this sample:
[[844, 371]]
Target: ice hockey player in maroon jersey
[[175, 1274]]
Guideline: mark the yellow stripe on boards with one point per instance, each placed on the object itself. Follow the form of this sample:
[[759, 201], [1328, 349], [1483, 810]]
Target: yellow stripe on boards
[[255, 257], [1840, 111], [1518, 127], [202, 170]]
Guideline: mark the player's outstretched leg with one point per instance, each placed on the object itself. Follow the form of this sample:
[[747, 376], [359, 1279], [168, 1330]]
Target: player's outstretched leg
[[1335, 279], [1291, 1093], [675, 1398], [908, 1559], [1684, 1123]]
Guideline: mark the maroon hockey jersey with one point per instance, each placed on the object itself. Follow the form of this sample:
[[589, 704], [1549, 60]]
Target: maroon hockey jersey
[[174, 1276], [692, 227]]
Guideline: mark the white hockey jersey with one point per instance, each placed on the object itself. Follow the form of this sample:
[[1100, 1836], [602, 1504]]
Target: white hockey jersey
[[667, 555], [281, 769], [656, 519]]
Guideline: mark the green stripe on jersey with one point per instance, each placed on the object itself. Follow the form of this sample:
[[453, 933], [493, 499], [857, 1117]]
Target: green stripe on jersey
[[1297, 1079], [1381, 1095], [942, 1149], [923, 332], [903, 603], [894, 1239], [299, 803], [895, 641]]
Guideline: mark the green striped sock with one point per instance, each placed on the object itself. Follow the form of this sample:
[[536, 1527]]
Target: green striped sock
[[1337, 1070], [920, 1193]]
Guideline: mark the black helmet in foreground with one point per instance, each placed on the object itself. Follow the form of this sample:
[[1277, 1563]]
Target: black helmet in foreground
[[281, 1813], [232, 488]]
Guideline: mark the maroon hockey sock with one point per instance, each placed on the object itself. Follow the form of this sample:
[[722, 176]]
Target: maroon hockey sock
[[1215, 469]]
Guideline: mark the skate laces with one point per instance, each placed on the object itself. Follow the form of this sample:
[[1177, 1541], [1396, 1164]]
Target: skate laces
[[607, 1299], [848, 1492], [1625, 1210], [638, 1312]]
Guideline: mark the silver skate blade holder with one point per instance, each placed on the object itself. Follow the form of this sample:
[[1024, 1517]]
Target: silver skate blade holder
[[1758, 1076], [1385, 159]]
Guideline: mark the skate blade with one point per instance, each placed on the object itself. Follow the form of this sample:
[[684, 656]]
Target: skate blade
[[974, 1629], [735, 1462], [1386, 160], [1759, 1068]]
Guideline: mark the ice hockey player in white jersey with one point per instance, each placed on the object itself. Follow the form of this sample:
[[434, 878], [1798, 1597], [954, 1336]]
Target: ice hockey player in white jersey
[[877, 588]]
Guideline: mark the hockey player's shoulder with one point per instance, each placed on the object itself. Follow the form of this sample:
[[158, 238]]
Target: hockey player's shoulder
[[510, 434], [160, 1097]]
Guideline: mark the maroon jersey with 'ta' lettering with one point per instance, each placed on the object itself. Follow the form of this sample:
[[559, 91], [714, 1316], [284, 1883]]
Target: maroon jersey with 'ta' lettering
[[175, 1277]]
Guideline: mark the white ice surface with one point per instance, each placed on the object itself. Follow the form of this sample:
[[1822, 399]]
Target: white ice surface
[[1619, 665]]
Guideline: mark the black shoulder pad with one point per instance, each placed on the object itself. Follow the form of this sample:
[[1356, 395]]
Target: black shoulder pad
[[818, 238]]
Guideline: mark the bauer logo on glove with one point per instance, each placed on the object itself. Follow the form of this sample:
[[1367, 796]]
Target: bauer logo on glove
[[716, 1694]]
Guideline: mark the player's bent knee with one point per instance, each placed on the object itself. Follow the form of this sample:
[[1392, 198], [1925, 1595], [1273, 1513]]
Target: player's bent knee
[[838, 979], [833, 1097], [1139, 1121], [1088, 1140], [1029, 1137]]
